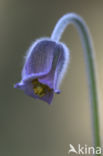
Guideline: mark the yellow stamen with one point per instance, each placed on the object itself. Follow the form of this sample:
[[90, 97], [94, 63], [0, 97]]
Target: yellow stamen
[[40, 89]]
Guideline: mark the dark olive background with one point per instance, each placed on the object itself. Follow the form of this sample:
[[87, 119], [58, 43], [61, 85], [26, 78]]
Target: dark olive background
[[34, 128]]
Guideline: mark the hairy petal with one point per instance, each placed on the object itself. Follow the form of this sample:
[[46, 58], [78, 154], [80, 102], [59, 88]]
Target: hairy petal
[[62, 65], [59, 67], [39, 58]]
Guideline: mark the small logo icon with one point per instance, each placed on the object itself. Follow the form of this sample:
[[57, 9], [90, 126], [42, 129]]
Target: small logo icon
[[72, 149]]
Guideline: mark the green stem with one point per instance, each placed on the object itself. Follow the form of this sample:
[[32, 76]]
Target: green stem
[[85, 36]]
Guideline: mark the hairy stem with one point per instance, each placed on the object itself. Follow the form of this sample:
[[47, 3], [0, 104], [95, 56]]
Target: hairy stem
[[85, 37]]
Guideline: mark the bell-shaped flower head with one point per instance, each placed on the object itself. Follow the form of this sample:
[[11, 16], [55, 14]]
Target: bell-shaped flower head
[[44, 68]]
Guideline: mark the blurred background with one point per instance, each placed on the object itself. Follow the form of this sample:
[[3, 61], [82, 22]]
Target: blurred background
[[29, 127]]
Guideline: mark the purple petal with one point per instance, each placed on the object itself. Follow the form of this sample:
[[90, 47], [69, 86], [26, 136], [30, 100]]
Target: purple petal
[[59, 66], [27, 87], [39, 58], [48, 97]]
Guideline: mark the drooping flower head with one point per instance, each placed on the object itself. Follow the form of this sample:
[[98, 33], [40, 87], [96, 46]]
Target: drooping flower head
[[44, 68]]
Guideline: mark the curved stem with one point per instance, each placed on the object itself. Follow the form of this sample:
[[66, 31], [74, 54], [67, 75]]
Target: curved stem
[[84, 33]]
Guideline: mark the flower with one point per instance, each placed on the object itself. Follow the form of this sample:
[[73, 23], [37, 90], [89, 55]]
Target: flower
[[44, 68]]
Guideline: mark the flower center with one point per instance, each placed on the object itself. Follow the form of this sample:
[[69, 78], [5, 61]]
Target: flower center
[[39, 88]]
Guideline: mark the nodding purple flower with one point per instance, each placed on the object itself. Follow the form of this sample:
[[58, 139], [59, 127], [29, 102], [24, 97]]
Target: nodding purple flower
[[46, 63], [44, 68]]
